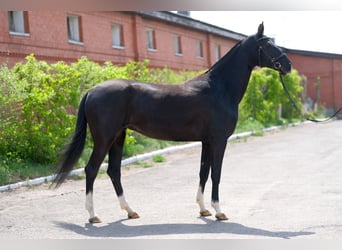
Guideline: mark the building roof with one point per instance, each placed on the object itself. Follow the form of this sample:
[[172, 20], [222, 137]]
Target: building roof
[[313, 53]]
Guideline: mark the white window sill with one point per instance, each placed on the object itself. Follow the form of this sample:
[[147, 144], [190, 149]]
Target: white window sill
[[19, 34], [118, 47], [75, 42], [178, 54], [152, 50]]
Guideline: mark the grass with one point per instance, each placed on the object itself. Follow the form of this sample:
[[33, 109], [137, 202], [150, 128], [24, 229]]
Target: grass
[[148, 164], [143, 164], [158, 159], [250, 125], [145, 144], [13, 170]]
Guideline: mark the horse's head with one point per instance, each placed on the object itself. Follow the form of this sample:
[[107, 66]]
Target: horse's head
[[269, 55]]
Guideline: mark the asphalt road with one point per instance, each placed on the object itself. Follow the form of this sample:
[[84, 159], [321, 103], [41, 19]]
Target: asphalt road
[[285, 184]]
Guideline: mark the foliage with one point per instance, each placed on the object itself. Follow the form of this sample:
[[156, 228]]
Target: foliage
[[158, 158], [39, 103], [38, 120], [265, 100]]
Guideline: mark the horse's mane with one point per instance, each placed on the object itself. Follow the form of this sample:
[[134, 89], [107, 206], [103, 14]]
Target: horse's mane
[[225, 58]]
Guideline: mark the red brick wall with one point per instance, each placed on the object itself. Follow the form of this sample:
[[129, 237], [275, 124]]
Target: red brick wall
[[337, 86], [48, 40], [165, 55], [328, 69]]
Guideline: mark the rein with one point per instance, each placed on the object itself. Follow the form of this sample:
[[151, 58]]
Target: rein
[[297, 109]]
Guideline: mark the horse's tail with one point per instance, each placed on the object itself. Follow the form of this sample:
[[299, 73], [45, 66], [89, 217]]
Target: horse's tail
[[74, 149]]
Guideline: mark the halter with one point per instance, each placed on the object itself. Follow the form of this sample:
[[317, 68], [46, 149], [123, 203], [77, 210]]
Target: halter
[[275, 61]]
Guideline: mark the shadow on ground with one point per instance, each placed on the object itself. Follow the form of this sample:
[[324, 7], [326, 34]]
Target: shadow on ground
[[120, 230]]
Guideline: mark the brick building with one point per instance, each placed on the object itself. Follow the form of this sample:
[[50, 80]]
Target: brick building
[[323, 69], [166, 39]]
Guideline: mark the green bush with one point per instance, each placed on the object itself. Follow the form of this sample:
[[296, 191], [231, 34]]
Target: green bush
[[265, 97], [37, 119]]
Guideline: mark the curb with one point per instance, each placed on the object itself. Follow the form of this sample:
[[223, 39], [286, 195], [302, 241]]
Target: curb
[[141, 157]]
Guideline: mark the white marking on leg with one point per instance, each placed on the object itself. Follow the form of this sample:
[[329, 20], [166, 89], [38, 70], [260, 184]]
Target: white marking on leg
[[124, 205], [90, 205], [200, 199], [216, 206]]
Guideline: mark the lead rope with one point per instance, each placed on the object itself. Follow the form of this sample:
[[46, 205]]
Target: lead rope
[[298, 110]]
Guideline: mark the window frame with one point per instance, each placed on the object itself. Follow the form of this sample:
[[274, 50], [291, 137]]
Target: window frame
[[199, 49], [151, 39], [25, 31], [121, 43], [177, 45], [78, 27], [218, 54]]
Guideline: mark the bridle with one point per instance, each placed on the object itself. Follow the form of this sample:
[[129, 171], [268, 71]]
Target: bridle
[[274, 60]]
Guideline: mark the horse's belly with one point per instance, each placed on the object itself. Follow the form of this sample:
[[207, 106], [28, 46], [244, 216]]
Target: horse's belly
[[178, 118], [170, 131]]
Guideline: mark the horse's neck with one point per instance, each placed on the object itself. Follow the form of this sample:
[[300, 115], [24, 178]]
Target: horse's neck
[[232, 79]]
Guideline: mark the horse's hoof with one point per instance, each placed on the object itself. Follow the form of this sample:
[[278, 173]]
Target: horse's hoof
[[221, 216], [95, 220], [133, 215], [205, 213]]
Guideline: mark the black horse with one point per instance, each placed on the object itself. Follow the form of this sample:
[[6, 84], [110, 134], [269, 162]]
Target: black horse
[[202, 109]]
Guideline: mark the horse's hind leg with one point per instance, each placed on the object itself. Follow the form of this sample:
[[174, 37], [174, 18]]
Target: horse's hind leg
[[91, 171], [204, 173], [114, 172]]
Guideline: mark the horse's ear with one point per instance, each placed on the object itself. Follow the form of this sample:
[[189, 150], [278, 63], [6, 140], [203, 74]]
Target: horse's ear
[[260, 30]]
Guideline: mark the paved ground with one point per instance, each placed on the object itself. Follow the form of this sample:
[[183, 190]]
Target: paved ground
[[286, 184]]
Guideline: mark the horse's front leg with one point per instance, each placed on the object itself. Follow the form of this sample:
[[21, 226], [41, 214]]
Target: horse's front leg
[[216, 157]]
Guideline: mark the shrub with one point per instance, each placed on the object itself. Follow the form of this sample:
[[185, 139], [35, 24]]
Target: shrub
[[265, 100], [39, 119]]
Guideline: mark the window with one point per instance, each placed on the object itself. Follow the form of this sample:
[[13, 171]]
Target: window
[[18, 22], [151, 39], [74, 29], [217, 52], [177, 45], [199, 48], [117, 36]]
